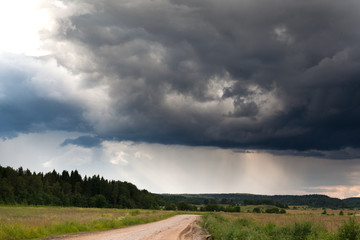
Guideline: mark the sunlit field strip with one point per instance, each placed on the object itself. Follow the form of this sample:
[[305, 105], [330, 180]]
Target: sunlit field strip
[[230, 226]]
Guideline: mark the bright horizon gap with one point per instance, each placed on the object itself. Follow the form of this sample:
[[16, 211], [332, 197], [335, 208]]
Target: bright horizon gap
[[148, 167]]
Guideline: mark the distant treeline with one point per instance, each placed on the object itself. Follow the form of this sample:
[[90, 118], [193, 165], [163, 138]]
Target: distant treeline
[[265, 202], [70, 189], [212, 207], [282, 201]]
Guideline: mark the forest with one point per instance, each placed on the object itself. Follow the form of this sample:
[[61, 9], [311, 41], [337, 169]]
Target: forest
[[283, 201], [70, 189]]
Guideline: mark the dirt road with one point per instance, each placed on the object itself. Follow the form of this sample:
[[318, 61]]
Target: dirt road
[[181, 227]]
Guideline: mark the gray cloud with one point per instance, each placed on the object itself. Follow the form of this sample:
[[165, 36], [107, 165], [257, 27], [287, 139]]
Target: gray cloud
[[251, 74], [24, 110], [83, 141], [343, 154]]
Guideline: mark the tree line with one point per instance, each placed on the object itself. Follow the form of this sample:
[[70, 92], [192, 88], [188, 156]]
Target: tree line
[[265, 202], [70, 189], [282, 201], [211, 207]]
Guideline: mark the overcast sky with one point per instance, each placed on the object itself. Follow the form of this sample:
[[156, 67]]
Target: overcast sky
[[201, 96]]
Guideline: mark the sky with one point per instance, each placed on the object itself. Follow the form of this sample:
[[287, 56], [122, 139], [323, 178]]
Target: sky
[[176, 96]]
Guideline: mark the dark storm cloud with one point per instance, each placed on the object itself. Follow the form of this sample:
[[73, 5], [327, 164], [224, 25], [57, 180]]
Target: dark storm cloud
[[305, 54], [346, 153], [83, 141], [253, 74], [23, 110]]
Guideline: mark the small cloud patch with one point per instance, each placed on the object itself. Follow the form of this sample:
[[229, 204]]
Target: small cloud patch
[[83, 141]]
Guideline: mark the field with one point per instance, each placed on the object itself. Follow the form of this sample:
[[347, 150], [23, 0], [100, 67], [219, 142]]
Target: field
[[330, 221], [296, 224], [18, 222], [41, 222]]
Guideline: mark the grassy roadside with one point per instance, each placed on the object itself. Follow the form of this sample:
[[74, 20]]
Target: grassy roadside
[[17, 222], [240, 226], [41, 222]]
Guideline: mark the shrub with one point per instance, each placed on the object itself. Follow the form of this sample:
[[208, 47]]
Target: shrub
[[183, 206], [256, 210], [302, 230], [170, 206], [232, 209], [212, 207], [272, 210], [350, 230]]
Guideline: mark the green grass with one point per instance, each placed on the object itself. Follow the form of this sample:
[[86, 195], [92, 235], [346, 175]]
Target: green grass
[[41, 222], [224, 227]]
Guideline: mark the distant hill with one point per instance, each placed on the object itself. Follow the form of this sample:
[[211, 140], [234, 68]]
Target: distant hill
[[352, 202], [314, 200]]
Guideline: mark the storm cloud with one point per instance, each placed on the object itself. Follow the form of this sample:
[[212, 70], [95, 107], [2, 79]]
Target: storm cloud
[[25, 103], [235, 74]]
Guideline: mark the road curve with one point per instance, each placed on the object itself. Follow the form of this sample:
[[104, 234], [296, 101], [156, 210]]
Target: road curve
[[180, 227]]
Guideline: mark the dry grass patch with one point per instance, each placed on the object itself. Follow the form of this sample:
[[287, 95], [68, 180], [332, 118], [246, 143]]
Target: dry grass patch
[[329, 222]]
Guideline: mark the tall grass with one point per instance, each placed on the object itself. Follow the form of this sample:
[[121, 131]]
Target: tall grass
[[223, 227], [41, 222]]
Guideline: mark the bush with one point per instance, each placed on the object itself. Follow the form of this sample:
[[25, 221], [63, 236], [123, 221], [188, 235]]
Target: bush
[[302, 231], [350, 230], [212, 208], [183, 206], [274, 210], [256, 210], [232, 209], [170, 206]]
